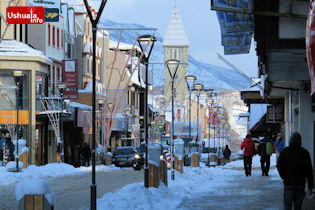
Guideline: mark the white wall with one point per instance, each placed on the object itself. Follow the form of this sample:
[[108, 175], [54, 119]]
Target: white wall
[[307, 118]]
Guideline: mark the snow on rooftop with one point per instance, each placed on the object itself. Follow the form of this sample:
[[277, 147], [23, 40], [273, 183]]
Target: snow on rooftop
[[78, 105], [122, 46], [46, 3], [15, 48], [175, 34]]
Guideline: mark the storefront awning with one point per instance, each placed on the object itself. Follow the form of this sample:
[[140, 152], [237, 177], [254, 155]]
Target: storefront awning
[[262, 127]]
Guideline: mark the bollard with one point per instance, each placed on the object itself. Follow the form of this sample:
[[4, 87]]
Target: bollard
[[154, 152], [23, 158], [34, 194], [195, 160], [108, 160], [178, 164], [163, 171]]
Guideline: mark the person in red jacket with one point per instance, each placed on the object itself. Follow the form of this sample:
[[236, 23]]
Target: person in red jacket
[[248, 147]]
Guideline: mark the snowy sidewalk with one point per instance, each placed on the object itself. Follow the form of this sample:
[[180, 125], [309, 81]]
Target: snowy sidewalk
[[223, 187]]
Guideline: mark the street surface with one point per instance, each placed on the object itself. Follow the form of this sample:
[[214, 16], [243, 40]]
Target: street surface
[[73, 192], [241, 192]]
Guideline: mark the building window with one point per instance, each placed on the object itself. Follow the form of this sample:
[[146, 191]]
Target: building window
[[61, 38], [53, 80], [54, 37], [58, 38], [58, 76], [49, 34]]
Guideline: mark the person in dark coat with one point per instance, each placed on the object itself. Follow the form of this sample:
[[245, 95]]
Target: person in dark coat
[[264, 157], [295, 167], [226, 154], [86, 152], [249, 151]]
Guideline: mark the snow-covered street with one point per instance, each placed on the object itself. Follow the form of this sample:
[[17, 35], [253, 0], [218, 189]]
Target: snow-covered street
[[222, 187]]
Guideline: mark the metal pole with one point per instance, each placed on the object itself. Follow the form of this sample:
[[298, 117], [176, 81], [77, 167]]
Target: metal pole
[[102, 112], [94, 31], [146, 170], [189, 118], [93, 184], [61, 133], [172, 136], [209, 137], [198, 94], [17, 126]]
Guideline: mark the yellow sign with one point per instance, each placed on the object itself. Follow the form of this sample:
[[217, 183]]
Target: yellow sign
[[9, 117]]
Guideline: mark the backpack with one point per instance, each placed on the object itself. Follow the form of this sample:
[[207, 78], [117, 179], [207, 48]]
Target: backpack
[[269, 148]]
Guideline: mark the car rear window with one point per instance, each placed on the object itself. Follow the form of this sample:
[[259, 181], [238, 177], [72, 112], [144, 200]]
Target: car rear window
[[123, 152]]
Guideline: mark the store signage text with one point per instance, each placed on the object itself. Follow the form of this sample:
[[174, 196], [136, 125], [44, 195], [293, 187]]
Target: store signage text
[[25, 15]]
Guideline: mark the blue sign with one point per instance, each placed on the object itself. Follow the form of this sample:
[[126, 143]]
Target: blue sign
[[236, 28], [51, 15]]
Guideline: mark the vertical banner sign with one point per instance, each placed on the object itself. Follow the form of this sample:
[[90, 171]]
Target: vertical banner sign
[[310, 44], [178, 115], [69, 76], [25, 15]]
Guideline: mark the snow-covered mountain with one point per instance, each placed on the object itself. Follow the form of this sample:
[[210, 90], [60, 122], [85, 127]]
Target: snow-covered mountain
[[210, 75]]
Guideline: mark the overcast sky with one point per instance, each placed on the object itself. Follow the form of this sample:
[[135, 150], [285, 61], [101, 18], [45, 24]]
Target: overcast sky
[[200, 23]]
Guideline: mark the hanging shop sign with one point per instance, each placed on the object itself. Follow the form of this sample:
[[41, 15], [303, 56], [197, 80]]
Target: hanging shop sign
[[69, 76], [310, 43], [275, 114], [51, 15], [236, 28]]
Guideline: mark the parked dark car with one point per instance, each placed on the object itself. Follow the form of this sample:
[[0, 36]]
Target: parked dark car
[[124, 156], [139, 157]]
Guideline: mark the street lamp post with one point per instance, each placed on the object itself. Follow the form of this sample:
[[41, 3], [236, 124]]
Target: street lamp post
[[172, 67], [101, 108], [94, 23], [190, 80], [127, 113], [144, 41], [209, 103], [109, 107], [198, 88], [61, 87], [18, 77]]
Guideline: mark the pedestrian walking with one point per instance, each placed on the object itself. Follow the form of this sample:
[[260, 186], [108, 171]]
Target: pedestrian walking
[[295, 167], [226, 154], [86, 152], [265, 149], [248, 147], [280, 145]]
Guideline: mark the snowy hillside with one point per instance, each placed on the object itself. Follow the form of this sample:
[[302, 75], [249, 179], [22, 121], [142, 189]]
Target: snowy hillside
[[211, 76]]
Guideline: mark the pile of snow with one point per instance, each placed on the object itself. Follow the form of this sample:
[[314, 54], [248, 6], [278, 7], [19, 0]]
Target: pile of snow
[[47, 171], [193, 181], [11, 166], [35, 187]]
